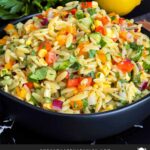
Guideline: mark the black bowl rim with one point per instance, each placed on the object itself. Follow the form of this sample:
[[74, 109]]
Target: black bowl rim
[[102, 114]]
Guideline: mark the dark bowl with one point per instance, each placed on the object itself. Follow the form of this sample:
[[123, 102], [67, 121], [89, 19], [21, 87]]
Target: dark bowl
[[71, 127]]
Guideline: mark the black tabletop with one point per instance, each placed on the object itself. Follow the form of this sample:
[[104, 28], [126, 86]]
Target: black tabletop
[[12, 132]]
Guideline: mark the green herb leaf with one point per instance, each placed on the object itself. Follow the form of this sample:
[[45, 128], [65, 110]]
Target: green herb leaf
[[92, 53], [102, 43], [92, 74], [85, 104], [14, 5], [113, 18], [134, 46], [39, 74], [91, 11], [79, 14], [76, 66], [61, 65]]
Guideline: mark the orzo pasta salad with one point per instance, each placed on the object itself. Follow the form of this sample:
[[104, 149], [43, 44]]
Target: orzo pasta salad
[[75, 59]]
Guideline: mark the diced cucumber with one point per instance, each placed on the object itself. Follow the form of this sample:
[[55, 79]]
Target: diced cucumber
[[95, 37]]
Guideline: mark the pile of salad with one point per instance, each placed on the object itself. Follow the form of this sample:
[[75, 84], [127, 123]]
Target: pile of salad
[[76, 59]]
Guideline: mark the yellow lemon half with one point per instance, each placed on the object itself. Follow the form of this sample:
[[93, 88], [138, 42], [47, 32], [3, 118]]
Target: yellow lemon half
[[121, 7]]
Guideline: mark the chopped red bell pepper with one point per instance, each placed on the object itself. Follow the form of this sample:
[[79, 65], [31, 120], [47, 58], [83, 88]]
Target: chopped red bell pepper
[[73, 82], [104, 20], [101, 29], [46, 45], [121, 20], [29, 85], [125, 66], [73, 11], [86, 5], [50, 58]]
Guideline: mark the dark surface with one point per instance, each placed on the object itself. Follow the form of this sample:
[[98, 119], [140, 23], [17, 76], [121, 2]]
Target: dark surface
[[138, 134], [20, 134]]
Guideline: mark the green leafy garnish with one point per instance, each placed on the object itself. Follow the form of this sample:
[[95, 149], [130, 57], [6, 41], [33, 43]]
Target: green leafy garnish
[[39, 74], [92, 53], [91, 11], [9, 9], [113, 18], [102, 43], [127, 46], [79, 14], [134, 46], [85, 104], [61, 65], [91, 74], [76, 66]]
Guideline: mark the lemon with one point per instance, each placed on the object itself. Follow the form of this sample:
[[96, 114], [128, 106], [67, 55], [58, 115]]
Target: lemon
[[121, 7]]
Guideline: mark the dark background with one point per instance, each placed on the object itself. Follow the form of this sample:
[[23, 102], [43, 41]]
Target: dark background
[[136, 135]]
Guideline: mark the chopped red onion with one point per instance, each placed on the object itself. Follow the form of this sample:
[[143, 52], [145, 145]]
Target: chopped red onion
[[57, 104], [144, 85], [44, 21]]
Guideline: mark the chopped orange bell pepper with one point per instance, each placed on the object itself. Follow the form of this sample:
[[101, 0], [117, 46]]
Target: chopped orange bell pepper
[[61, 39], [9, 65], [10, 29], [3, 40], [102, 57], [76, 105], [21, 92]]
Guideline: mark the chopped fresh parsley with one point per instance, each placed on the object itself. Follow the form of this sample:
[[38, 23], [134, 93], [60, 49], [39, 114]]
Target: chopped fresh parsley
[[134, 46], [91, 74], [102, 43], [91, 11], [76, 66], [79, 14], [85, 104]]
